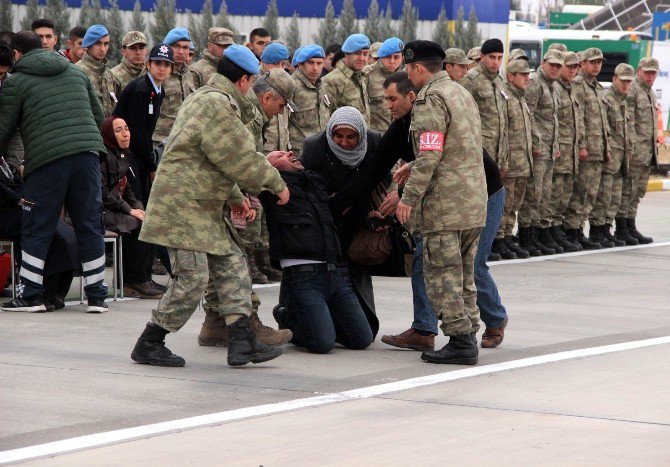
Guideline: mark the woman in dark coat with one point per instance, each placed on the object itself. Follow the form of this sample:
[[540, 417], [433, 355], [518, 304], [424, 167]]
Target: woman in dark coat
[[338, 153]]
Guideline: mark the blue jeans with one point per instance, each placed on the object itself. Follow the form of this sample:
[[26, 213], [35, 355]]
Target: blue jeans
[[322, 310], [424, 316], [491, 309]]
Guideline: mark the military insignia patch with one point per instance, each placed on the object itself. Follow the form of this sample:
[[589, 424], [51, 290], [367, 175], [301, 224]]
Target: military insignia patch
[[431, 141]]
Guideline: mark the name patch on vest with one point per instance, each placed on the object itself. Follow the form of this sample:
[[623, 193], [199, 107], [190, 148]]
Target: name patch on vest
[[431, 141]]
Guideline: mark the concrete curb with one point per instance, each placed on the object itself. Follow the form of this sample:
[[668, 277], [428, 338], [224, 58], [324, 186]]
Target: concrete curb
[[658, 184]]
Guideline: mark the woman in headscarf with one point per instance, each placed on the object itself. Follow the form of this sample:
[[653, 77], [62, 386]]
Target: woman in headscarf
[[338, 153], [124, 213]]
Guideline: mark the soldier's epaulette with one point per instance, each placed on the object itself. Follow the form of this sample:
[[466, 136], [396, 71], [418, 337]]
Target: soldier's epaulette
[[473, 73]]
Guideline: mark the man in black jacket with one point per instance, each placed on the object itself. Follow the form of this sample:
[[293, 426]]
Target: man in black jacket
[[318, 305]]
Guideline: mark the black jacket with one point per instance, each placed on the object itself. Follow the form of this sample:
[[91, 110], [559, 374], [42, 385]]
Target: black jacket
[[303, 228], [113, 168]]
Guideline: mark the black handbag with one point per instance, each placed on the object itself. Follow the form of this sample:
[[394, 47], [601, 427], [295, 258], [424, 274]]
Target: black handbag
[[401, 259]]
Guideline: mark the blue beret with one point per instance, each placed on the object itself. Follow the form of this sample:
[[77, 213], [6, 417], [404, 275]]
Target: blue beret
[[296, 54], [355, 42], [310, 51], [274, 53], [389, 47], [94, 34], [176, 35], [243, 57]]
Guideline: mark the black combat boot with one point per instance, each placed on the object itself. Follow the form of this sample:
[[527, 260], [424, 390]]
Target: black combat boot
[[494, 257], [499, 246], [512, 245], [544, 249], [636, 234], [586, 243], [622, 233], [150, 348], [243, 347], [560, 238], [526, 241], [597, 235], [544, 235], [607, 231], [461, 350]]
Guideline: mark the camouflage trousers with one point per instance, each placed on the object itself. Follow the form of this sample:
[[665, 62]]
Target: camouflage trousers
[[634, 189], [516, 189], [448, 271], [584, 194], [561, 192], [608, 200], [535, 210], [192, 271]]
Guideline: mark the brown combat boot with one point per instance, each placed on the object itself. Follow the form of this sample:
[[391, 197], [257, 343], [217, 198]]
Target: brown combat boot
[[214, 332], [267, 335], [493, 337], [257, 277], [262, 257], [411, 339]]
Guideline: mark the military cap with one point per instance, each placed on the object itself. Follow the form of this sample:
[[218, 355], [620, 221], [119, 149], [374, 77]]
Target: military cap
[[475, 53], [648, 64], [517, 53], [134, 37], [554, 56], [390, 46], [624, 72], [161, 53], [176, 35], [570, 58], [580, 56], [374, 49], [417, 51], [558, 46], [355, 42], [94, 34], [282, 82], [220, 36], [456, 56], [492, 46], [243, 57], [518, 65], [274, 53], [308, 52], [593, 54]]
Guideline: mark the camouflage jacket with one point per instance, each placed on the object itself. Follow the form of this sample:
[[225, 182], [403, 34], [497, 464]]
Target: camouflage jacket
[[593, 109], [447, 184], [105, 84], [543, 103], [344, 86], [380, 116], [125, 72], [313, 110], [275, 134], [642, 104], [203, 69], [208, 153], [176, 88], [570, 127], [520, 133], [254, 119], [486, 88], [621, 126]]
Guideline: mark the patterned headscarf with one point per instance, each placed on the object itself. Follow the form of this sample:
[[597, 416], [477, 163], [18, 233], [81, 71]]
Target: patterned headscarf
[[348, 117]]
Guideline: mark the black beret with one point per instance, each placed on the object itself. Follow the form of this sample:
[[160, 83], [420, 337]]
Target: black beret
[[417, 51], [492, 46]]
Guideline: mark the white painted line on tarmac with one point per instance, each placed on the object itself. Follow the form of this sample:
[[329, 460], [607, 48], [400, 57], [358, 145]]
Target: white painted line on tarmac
[[119, 436]]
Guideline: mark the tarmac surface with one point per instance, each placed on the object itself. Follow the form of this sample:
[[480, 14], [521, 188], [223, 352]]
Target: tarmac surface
[[582, 378]]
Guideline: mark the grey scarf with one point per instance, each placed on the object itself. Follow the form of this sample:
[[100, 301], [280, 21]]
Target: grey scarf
[[352, 118]]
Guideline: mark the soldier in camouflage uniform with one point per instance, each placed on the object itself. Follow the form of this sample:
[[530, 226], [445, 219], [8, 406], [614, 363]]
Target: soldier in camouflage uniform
[[94, 64], [275, 132], [570, 127], [208, 155], [456, 64], [621, 148], [475, 55], [178, 86], [642, 105], [447, 186], [218, 40], [593, 147], [390, 61], [134, 56], [313, 110], [543, 103], [347, 85], [558, 46]]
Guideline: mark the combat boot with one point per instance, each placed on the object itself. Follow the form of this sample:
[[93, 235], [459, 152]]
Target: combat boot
[[586, 243], [243, 347], [513, 246], [526, 241], [150, 348], [544, 249], [607, 231], [559, 237], [262, 257], [597, 235], [461, 350], [214, 332], [622, 233], [257, 277], [544, 235], [267, 335], [500, 247], [636, 234], [493, 257]]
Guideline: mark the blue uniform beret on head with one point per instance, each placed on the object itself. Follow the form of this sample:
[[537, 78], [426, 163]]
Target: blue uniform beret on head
[[243, 57], [309, 51], [355, 42], [274, 53], [176, 35], [296, 56], [389, 47], [94, 34]]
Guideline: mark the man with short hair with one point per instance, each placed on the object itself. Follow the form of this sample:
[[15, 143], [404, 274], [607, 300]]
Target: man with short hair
[[347, 85], [259, 38], [456, 64], [218, 40], [134, 51], [331, 50], [74, 51], [275, 133], [62, 165], [94, 63], [389, 55], [46, 31]]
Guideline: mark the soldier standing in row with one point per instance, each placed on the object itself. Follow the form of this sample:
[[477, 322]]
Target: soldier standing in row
[[218, 40], [275, 133], [94, 64], [475, 56], [390, 60], [134, 53], [456, 64]]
